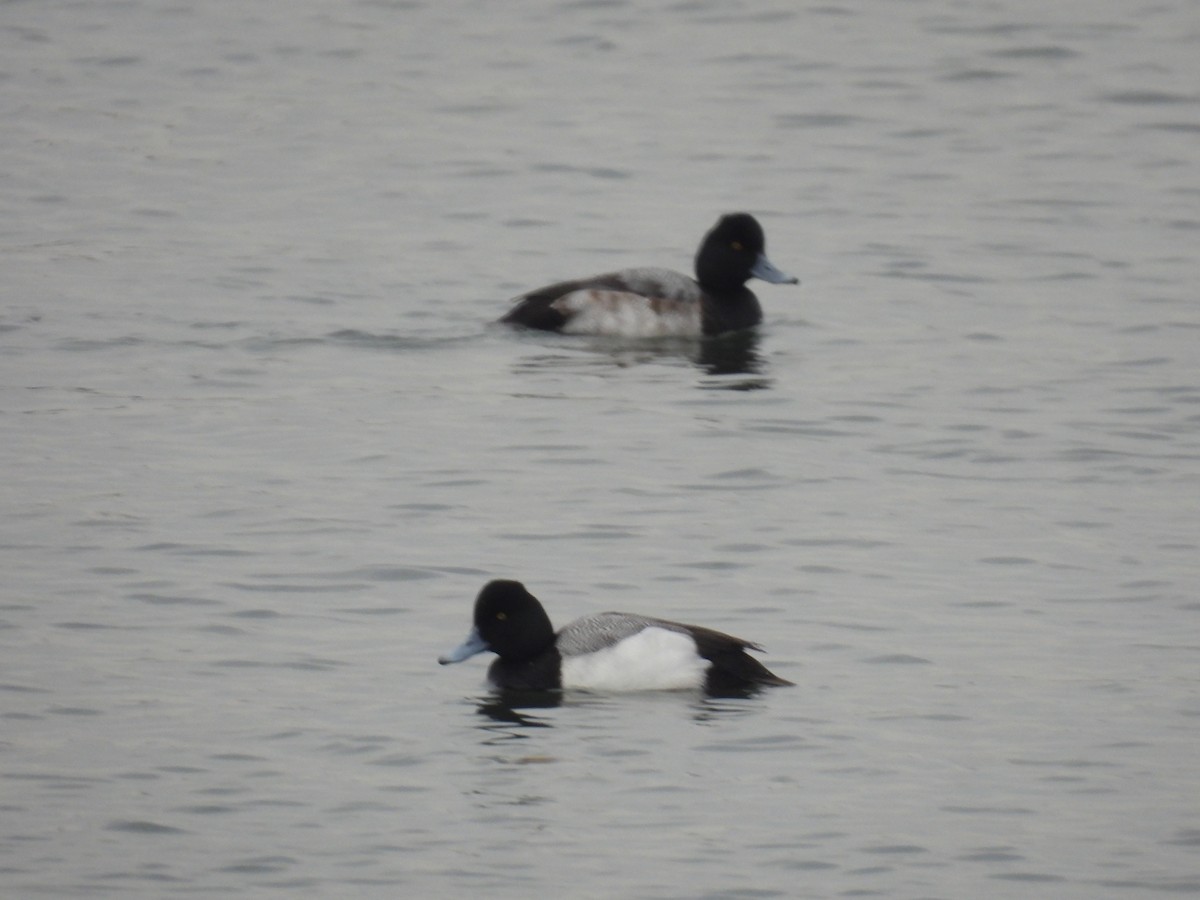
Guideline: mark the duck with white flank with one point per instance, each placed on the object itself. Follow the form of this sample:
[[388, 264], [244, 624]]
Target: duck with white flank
[[605, 652], [661, 302]]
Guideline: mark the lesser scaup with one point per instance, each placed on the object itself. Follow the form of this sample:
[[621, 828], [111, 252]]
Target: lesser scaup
[[608, 652], [660, 302]]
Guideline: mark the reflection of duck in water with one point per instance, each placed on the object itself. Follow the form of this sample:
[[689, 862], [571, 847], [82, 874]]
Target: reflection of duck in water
[[607, 652], [732, 353], [661, 302]]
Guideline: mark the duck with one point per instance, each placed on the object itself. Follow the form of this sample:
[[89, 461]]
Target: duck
[[610, 651], [654, 302]]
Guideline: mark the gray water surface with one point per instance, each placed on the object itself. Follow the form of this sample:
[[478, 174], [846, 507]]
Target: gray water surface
[[262, 447]]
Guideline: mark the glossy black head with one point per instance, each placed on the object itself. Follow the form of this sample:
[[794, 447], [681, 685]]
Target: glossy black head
[[732, 253], [511, 621]]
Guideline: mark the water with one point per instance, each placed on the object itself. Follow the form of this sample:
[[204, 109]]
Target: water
[[261, 447]]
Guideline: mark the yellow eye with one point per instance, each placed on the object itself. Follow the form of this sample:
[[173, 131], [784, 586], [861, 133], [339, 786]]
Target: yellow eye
[[501, 616], [737, 245]]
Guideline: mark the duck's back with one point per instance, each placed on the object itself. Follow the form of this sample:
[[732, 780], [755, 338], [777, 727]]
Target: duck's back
[[602, 630]]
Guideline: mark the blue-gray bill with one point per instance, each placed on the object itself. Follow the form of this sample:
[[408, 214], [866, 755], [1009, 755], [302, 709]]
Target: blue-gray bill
[[470, 647], [763, 268]]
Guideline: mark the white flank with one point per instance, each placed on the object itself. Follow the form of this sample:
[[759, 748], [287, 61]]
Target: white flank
[[625, 314], [654, 659]]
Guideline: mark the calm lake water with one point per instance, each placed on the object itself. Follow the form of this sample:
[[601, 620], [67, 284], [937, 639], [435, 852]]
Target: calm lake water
[[262, 446]]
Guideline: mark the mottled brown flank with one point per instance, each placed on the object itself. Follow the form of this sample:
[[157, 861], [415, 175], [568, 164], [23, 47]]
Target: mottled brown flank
[[614, 300], [670, 305], [608, 300]]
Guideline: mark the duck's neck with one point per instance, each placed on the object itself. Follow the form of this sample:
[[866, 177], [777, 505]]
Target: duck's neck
[[540, 673], [731, 312]]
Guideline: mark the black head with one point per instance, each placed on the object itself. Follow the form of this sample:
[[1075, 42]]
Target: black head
[[511, 621], [732, 253]]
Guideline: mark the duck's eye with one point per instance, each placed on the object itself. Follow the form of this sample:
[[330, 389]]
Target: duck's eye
[[737, 245], [501, 616]]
